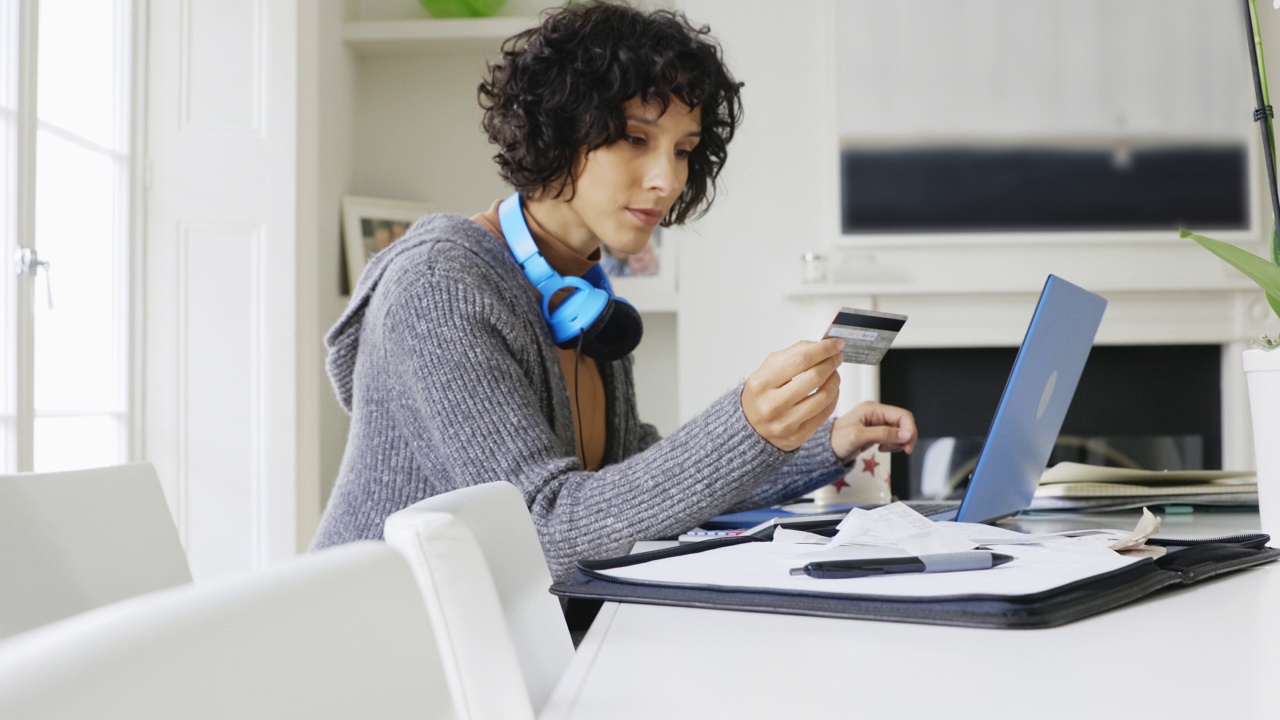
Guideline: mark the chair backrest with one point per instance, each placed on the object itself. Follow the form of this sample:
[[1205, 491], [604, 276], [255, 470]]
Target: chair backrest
[[340, 633], [76, 540], [485, 581]]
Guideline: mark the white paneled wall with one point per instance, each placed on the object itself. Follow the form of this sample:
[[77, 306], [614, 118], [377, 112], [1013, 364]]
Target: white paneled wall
[[220, 328], [221, 331]]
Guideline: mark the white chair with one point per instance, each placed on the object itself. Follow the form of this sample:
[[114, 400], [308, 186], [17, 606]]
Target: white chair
[[340, 633], [76, 540], [484, 579]]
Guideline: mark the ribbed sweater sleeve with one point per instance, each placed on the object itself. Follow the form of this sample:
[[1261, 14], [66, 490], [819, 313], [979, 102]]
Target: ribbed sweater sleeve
[[813, 465]]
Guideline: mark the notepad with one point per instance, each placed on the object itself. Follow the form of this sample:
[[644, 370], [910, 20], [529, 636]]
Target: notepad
[[1076, 481], [1070, 472], [1102, 489]]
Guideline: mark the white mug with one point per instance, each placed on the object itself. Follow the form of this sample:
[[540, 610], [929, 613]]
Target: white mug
[[867, 482]]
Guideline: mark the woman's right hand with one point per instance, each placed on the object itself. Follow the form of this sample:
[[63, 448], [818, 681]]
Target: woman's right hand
[[794, 392]]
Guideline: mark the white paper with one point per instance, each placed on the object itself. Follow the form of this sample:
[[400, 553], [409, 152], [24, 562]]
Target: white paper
[[767, 566], [988, 535], [797, 537], [898, 526], [1043, 561], [1147, 526]]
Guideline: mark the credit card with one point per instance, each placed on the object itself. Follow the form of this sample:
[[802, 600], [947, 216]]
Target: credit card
[[867, 334]]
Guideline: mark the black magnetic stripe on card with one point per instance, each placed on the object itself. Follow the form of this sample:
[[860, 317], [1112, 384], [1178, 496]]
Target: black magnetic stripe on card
[[872, 322]]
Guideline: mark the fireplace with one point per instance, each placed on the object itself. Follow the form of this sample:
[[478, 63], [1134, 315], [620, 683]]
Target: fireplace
[[1163, 386], [1146, 406]]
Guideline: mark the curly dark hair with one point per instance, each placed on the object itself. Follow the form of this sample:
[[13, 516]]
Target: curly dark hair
[[560, 87]]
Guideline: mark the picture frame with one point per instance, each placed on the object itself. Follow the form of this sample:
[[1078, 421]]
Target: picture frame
[[370, 224], [648, 277]]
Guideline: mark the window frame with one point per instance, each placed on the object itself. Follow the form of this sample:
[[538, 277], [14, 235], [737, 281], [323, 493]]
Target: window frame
[[18, 364]]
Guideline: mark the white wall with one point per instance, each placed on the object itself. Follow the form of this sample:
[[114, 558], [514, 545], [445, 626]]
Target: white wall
[[323, 166], [778, 197]]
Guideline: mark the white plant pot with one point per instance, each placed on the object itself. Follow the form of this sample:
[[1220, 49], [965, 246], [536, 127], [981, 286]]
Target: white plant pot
[[1262, 369]]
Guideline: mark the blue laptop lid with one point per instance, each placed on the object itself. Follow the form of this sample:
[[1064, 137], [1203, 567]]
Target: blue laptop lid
[[1035, 402]]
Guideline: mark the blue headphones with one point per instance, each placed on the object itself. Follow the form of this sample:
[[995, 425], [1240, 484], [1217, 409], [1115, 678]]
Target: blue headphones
[[607, 327]]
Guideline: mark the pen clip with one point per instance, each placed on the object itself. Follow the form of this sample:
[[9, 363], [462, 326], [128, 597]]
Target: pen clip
[[833, 571]]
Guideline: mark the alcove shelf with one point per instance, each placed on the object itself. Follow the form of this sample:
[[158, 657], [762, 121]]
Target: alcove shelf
[[391, 37], [396, 117]]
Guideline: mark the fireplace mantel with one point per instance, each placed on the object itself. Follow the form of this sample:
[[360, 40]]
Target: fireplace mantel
[[1217, 311]]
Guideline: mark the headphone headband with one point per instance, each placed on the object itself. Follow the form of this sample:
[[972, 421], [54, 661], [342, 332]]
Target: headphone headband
[[609, 326], [520, 240]]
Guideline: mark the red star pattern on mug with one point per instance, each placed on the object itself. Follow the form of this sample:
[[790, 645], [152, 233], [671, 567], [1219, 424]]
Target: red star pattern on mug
[[867, 467]]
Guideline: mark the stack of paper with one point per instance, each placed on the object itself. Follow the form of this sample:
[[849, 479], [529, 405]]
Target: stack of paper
[[1073, 486], [1043, 562]]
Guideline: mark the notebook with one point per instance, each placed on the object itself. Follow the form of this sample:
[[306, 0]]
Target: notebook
[[1034, 404]]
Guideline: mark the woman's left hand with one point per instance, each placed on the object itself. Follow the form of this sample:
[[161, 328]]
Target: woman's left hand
[[870, 423]]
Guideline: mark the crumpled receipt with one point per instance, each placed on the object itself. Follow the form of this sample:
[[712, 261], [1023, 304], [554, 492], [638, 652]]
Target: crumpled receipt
[[898, 526], [1135, 543]]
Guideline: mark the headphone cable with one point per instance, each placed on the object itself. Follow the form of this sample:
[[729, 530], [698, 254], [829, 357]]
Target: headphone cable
[[581, 438]]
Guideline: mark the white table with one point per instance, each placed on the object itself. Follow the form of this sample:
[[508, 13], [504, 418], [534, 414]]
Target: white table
[[1211, 650]]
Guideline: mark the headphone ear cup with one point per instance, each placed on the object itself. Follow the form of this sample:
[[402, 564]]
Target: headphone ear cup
[[614, 334]]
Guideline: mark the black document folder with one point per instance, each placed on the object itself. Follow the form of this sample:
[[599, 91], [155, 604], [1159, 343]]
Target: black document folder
[[1186, 562]]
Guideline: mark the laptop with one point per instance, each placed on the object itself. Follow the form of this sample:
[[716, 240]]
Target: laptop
[[1031, 411], [1027, 421]]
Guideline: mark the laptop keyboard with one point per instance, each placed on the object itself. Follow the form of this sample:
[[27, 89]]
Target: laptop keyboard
[[927, 508]]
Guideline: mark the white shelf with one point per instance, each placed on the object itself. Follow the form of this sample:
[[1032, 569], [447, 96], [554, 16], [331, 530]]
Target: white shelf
[[1030, 285], [390, 37], [656, 303], [828, 290]]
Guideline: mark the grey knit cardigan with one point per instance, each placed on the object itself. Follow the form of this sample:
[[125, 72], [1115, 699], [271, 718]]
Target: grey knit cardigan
[[451, 378]]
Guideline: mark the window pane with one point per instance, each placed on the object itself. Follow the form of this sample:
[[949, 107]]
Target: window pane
[[80, 68], [71, 443], [8, 54], [8, 229], [79, 348], [8, 294]]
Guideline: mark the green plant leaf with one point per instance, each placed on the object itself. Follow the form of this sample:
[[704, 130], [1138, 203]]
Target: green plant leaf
[[1257, 269], [1275, 238]]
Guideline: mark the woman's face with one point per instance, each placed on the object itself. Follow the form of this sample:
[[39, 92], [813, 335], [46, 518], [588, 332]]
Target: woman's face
[[625, 189]]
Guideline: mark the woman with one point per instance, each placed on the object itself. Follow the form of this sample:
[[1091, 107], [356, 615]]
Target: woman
[[459, 365]]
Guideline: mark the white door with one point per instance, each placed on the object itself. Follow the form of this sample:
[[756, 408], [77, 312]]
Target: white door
[[66, 195], [221, 409]]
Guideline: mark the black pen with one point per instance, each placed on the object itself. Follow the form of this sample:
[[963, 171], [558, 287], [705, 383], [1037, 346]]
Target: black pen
[[941, 562]]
